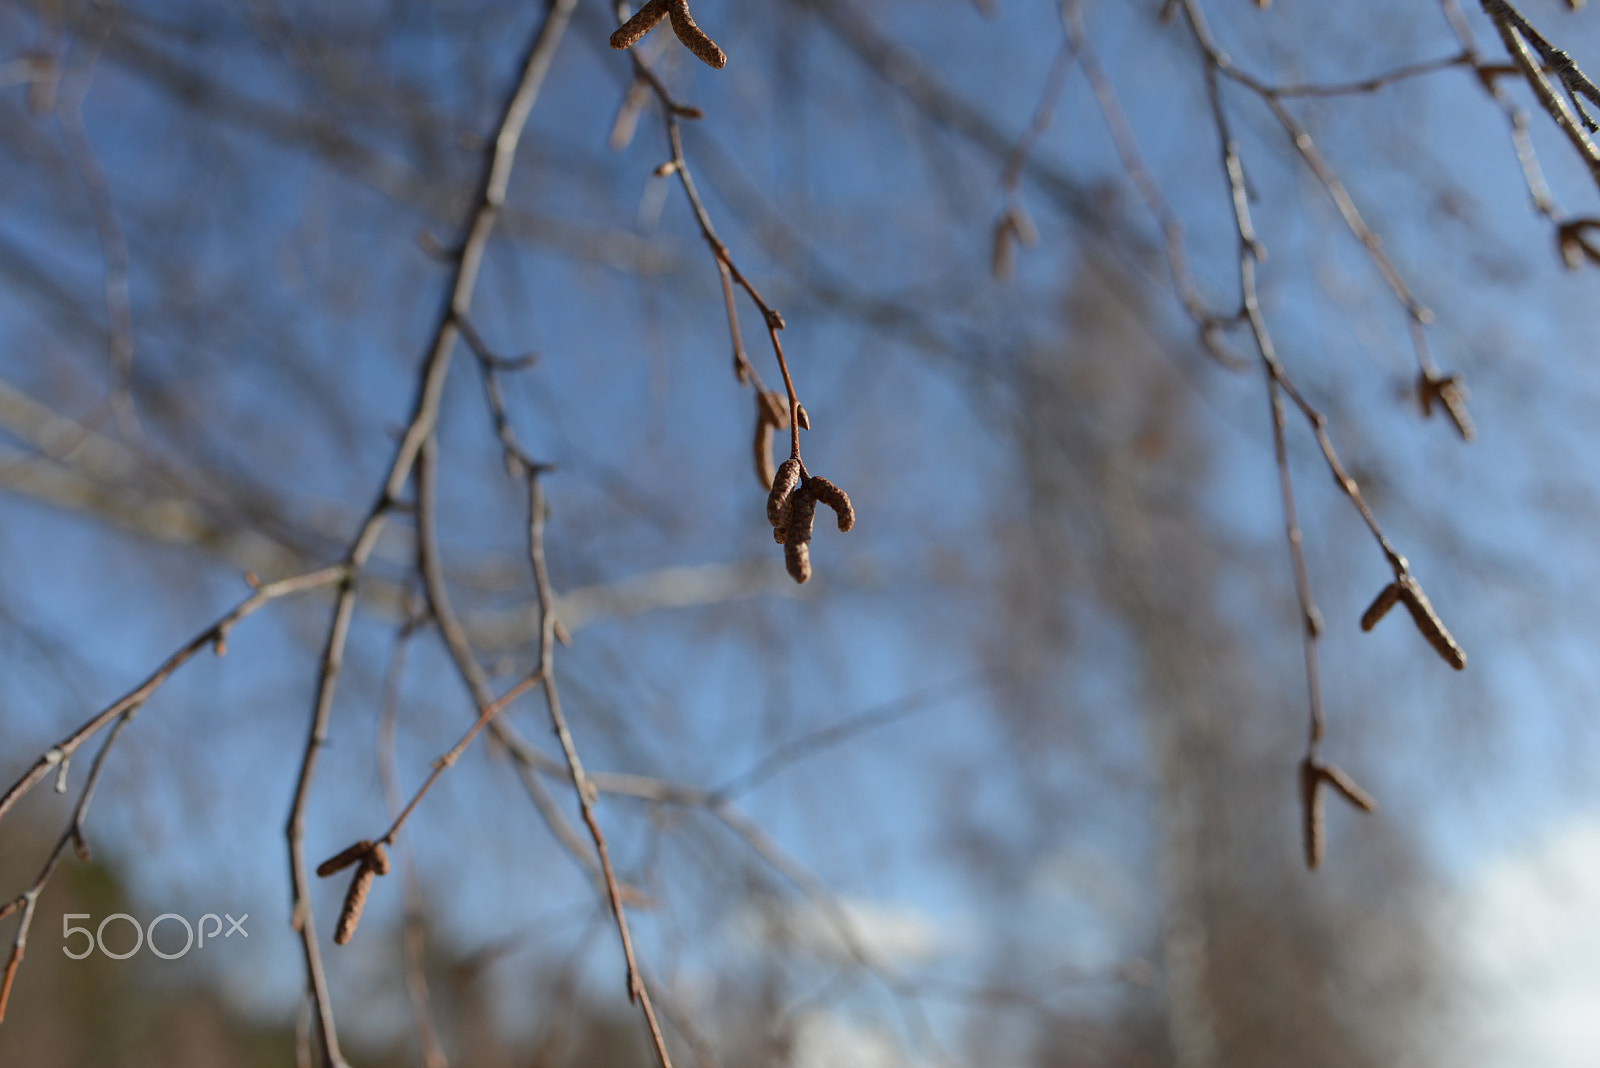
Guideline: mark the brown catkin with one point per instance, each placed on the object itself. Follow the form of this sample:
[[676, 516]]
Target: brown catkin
[[783, 484], [1380, 606], [765, 472], [1454, 397], [1002, 252], [796, 552], [834, 498], [693, 37], [771, 415], [341, 861], [797, 558], [1429, 623], [355, 899], [1425, 393], [1311, 811], [802, 516], [628, 112], [1348, 788], [773, 408], [1022, 225], [644, 20]]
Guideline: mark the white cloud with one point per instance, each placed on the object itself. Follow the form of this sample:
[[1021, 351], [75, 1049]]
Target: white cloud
[[1527, 935], [825, 1040], [889, 934]]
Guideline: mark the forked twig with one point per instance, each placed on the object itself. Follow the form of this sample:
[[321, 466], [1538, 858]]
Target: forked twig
[[638, 991]]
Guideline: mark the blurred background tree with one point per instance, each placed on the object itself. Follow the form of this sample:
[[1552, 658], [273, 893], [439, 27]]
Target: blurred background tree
[[1014, 779]]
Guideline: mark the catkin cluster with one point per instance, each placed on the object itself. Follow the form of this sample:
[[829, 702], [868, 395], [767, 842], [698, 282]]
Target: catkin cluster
[[1404, 590], [374, 861], [683, 24], [792, 510]]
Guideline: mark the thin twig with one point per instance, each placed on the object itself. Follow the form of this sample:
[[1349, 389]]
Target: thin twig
[[647, 788], [414, 924], [1218, 62], [638, 992], [448, 759], [1279, 386], [213, 637], [1377, 81], [813, 742], [519, 466], [1014, 225], [1209, 324]]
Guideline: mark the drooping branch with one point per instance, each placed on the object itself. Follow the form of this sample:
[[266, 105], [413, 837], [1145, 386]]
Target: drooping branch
[[499, 158]]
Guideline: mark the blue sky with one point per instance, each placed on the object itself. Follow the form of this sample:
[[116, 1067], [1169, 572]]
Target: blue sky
[[633, 400]]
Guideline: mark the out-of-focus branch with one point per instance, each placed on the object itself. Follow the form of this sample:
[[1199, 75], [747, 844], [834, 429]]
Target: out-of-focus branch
[[518, 465], [660, 791], [822, 739], [902, 69], [391, 175], [498, 161], [414, 930], [1209, 324], [1015, 225], [94, 474]]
